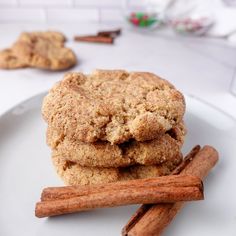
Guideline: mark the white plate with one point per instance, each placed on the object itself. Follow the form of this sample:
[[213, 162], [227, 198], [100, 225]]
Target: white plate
[[25, 169]]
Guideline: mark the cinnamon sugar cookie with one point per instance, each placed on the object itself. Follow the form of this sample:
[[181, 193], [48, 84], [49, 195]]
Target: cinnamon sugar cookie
[[43, 50], [53, 36], [74, 174], [103, 154], [8, 60], [114, 106]]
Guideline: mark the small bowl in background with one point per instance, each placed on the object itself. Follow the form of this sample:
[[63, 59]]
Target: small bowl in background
[[192, 25]]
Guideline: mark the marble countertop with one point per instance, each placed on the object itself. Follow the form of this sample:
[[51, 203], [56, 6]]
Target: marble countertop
[[199, 67]]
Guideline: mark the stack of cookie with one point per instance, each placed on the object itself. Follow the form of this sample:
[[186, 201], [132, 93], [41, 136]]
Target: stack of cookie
[[44, 50], [113, 125]]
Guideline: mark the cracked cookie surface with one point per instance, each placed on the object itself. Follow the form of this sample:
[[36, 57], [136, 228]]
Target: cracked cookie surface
[[114, 106], [102, 154]]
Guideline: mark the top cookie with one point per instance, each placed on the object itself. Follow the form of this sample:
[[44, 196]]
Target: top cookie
[[113, 105]]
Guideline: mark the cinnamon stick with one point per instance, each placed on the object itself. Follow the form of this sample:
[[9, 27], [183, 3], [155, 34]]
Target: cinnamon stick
[[153, 219], [94, 39], [65, 192], [162, 189], [144, 208], [109, 33]]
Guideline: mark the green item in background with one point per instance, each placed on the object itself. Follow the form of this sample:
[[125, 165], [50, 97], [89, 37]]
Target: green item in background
[[142, 19]]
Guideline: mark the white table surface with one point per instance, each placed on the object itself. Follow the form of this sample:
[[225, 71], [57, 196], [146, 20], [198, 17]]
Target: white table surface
[[201, 67]]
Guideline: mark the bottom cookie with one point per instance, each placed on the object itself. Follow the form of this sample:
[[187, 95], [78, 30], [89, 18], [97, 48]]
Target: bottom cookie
[[74, 174]]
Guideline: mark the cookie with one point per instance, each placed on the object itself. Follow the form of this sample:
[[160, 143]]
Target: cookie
[[114, 106], [103, 154], [74, 174], [8, 60], [44, 53], [53, 36], [43, 50]]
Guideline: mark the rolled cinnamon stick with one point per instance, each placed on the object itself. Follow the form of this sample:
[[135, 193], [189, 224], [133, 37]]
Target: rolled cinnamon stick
[[65, 192], [110, 33], [153, 219], [168, 189], [144, 208], [94, 39]]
